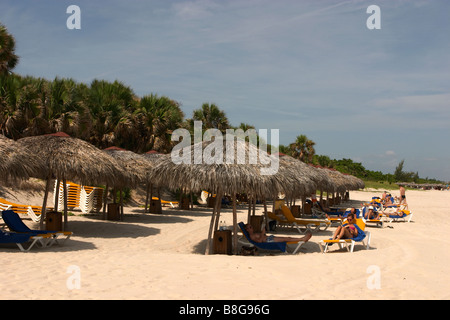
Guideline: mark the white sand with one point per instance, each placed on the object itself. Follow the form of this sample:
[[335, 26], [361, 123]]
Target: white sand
[[161, 257]]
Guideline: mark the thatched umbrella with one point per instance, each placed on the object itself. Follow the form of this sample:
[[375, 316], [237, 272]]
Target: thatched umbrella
[[224, 168], [154, 157], [134, 164], [344, 182], [319, 179], [68, 158], [300, 169], [17, 162]]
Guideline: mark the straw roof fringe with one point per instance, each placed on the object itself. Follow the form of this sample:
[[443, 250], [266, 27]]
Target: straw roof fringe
[[136, 165], [239, 176], [153, 158], [308, 175], [16, 161], [75, 160]]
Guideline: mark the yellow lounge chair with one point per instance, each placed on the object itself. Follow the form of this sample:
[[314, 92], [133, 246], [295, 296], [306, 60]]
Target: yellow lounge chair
[[307, 224], [361, 237], [172, 203], [34, 212]]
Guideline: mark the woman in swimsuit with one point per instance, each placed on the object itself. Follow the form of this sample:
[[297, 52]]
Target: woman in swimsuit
[[348, 230], [262, 237]]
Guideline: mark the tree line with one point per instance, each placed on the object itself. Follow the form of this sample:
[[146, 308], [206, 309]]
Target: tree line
[[108, 114]]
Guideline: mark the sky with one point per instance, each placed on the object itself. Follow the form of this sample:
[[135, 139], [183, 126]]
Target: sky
[[376, 96]]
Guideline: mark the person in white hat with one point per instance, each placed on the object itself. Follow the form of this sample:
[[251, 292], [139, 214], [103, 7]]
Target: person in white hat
[[370, 214]]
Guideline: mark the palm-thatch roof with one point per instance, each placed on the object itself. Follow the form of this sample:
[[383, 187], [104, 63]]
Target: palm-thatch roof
[[216, 171], [343, 182], [136, 165], [75, 159], [311, 177], [17, 162], [68, 158], [154, 158]]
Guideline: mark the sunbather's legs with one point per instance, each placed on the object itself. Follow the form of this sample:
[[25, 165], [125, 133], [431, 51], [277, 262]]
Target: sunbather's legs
[[291, 239], [341, 233]]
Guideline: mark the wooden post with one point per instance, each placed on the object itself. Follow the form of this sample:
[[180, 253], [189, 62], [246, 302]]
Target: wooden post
[[146, 197], [121, 204], [44, 203], [266, 217], [65, 204], [235, 242], [56, 195], [105, 201], [215, 214]]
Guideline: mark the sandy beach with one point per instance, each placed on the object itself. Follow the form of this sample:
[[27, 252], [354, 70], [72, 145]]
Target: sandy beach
[[149, 256]]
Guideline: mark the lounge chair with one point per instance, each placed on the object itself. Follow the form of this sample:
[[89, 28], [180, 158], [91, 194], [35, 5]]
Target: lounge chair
[[279, 246], [361, 237], [402, 215], [378, 222], [15, 224], [308, 224], [171, 203], [20, 238], [34, 212]]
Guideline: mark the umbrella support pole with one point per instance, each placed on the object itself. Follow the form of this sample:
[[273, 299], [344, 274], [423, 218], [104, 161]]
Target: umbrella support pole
[[44, 203], [105, 201], [235, 240], [146, 197], [214, 222], [65, 204]]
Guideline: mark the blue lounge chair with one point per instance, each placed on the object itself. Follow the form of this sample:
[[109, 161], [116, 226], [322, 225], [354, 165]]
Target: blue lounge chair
[[279, 246], [377, 222], [15, 224], [20, 238]]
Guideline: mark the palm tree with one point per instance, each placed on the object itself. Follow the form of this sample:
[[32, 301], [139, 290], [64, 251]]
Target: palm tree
[[211, 117], [8, 59], [156, 118], [9, 112], [303, 149], [108, 104]]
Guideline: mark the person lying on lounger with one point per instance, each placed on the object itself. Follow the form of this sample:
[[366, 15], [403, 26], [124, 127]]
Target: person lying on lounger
[[397, 213], [262, 237]]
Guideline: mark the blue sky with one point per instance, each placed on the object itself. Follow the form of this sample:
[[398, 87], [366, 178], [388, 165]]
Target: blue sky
[[304, 67]]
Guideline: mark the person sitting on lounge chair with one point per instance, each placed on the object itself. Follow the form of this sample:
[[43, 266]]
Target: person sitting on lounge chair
[[347, 230], [371, 214], [343, 214], [262, 237], [389, 200]]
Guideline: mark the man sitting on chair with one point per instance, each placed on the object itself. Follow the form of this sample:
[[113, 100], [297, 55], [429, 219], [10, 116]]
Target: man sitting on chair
[[262, 237]]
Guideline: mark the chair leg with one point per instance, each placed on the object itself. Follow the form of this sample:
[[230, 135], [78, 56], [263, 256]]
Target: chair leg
[[298, 247], [21, 247]]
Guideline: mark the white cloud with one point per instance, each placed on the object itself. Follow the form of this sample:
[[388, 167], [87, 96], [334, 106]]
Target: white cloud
[[197, 9]]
